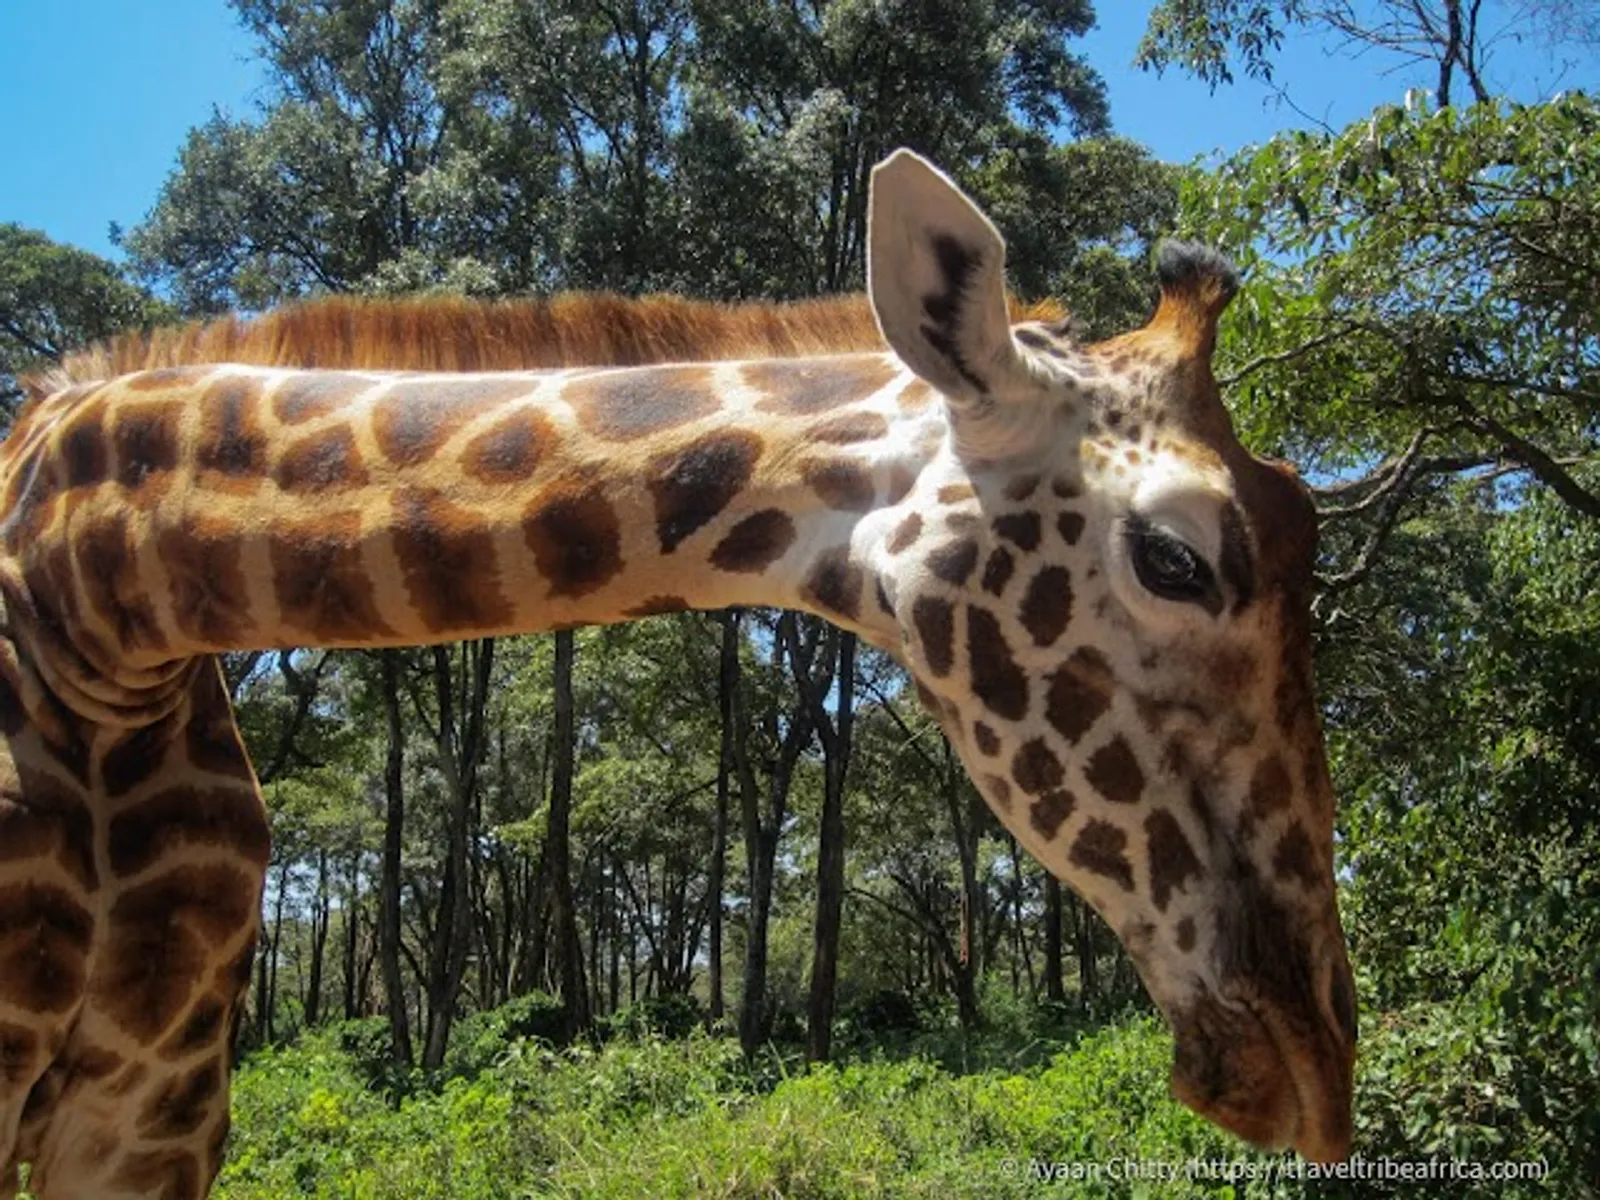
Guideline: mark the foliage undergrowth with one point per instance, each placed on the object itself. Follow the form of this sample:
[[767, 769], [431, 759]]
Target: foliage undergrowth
[[646, 1115]]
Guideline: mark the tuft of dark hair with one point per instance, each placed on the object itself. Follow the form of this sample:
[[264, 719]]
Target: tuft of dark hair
[[1181, 266]]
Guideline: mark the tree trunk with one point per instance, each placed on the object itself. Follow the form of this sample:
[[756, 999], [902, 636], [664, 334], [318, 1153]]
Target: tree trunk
[[321, 918], [389, 878], [352, 942], [727, 686], [836, 741], [761, 835], [564, 943], [1054, 992], [964, 823], [1088, 972], [268, 987], [460, 747]]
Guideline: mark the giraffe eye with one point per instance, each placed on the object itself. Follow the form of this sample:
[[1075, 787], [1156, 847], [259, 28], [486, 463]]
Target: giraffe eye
[[1168, 566]]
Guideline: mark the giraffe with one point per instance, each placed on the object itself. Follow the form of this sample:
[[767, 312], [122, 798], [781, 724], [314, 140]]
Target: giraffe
[[1102, 597]]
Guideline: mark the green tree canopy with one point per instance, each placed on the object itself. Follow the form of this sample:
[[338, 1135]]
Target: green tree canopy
[[640, 145], [54, 298]]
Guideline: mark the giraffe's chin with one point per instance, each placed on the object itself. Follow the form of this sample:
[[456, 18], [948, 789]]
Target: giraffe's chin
[[1231, 1073], [1242, 1071]]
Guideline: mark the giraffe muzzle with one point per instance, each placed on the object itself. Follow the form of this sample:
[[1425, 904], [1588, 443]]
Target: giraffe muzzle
[[1267, 1075]]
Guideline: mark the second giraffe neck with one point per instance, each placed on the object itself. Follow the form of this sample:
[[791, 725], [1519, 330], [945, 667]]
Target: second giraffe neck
[[162, 516]]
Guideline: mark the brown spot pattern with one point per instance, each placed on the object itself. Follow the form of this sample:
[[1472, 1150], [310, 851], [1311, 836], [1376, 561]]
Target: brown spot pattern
[[83, 447], [999, 790], [200, 1029], [986, 739], [1050, 810], [413, 420], [322, 584], [1047, 605], [575, 537], [111, 583], [222, 818], [655, 606], [955, 493], [171, 1174], [232, 448], [1021, 528], [321, 462], [212, 736], [316, 394], [145, 438], [20, 1060], [996, 679], [692, 485], [997, 571], [1070, 526], [1020, 488], [44, 940], [850, 428], [953, 562], [164, 378], [901, 481], [160, 939], [1186, 937], [205, 579], [935, 624], [755, 543], [43, 819], [1101, 848], [1036, 768], [916, 396], [805, 388], [136, 757], [1269, 788], [1295, 858], [183, 1105], [447, 564], [624, 405], [834, 585], [31, 498], [510, 449], [841, 483], [905, 533], [1078, 694], [1114, 772], [1172, 859]]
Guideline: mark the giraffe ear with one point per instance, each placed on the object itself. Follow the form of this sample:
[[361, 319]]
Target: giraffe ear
[[936, 276]]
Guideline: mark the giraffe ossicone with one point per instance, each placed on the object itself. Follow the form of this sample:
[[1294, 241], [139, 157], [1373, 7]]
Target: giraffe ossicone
[[1102, 597]]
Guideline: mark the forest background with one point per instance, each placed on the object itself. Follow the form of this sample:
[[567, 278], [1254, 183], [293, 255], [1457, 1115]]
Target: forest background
[[544, 915]]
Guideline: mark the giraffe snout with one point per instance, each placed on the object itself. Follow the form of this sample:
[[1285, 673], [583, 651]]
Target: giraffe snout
[[1267, 1049], [1261, 1073]]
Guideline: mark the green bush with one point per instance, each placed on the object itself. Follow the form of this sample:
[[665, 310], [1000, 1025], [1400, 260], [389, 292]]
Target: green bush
[[478, 1040], [672, 1016]]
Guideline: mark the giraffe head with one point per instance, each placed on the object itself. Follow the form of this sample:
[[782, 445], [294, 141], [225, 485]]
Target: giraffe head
[[1105, 599]]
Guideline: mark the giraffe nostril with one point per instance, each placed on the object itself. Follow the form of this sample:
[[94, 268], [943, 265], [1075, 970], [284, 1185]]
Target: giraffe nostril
[[1342, 998]]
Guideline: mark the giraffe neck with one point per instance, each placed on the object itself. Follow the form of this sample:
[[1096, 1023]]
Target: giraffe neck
[[164, 516]]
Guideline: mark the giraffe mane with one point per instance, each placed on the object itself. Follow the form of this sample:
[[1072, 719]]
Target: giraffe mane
[[453, 333]]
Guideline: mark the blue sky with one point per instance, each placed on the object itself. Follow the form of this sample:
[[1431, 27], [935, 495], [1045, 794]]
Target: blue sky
[[100, 94]]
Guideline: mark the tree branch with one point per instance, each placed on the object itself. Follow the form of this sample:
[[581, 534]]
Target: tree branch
[[1549, 471], [1283, 356], [1392, 495]]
